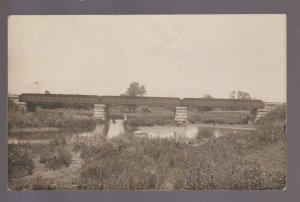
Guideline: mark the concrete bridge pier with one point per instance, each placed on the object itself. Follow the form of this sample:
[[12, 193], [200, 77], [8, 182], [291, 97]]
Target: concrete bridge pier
[[100, 111], [25, 107], [261, 113], [21, 106], [181, 114]]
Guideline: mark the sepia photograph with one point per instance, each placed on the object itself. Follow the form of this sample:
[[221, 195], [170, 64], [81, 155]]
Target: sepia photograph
[[147, 102]]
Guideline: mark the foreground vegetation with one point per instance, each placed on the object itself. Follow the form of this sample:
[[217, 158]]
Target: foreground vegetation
[[135, 163], [22, 158]]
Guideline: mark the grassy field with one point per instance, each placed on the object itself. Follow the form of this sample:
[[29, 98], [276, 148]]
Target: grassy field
[[165, 116], [75, 120], [219, 117], [241, 161], [155, 116]]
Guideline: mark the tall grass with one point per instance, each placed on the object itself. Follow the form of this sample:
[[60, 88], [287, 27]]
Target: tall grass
[[56, 157], [155, 164], [52, 118], [20, 161], [272, 128], [162, 164], [220, 117], [154, 116]]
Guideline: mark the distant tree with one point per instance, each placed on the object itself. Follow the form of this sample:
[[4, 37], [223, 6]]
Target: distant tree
[[207, 96], [135, 89], [241, 95], [47, 92]]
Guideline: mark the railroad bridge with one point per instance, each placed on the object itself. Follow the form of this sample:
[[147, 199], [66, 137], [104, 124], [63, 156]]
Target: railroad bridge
[[101, 103]]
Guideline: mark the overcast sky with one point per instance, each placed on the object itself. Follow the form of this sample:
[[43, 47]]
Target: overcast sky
[[172, 55]]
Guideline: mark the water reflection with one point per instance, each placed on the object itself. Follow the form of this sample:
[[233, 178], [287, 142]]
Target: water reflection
[[188, 132], [99, 130], [116, 129], [15, 140]]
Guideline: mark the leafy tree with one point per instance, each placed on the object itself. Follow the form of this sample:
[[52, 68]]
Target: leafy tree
[[241, 95], [47, 92], [207, 96], [135, 89]]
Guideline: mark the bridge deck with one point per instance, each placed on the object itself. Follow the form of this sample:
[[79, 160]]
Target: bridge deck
[[126, 100]]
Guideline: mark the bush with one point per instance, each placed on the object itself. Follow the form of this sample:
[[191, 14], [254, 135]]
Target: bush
[[272, 127], [20, 161], [56, 157]]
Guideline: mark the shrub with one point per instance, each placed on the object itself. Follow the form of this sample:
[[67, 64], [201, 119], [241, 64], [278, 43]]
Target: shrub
[[272, 127], [56, 157], [20, 161]]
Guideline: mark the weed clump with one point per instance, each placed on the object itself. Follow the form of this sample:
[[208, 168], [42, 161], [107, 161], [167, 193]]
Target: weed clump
[[20, 161], [56, 157]]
